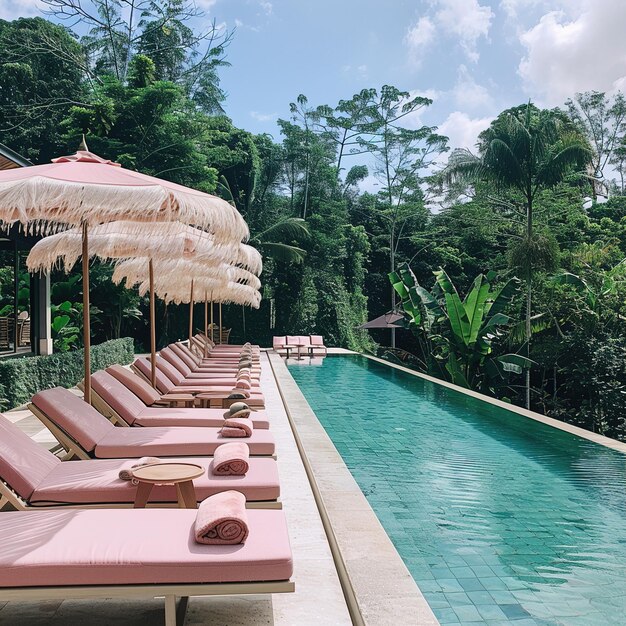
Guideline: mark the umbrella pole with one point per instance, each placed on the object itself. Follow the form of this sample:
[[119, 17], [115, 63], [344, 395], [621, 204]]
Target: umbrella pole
[[191, 314], [86, 324], [206, 322], [152, 327], [220, 322], [212, 327]]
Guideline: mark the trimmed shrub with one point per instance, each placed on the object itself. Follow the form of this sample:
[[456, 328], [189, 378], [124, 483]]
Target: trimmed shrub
[[21, 378]]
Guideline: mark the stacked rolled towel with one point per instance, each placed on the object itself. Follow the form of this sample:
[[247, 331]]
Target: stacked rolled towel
[[237, 427], [222, 519], [231, 459], [126, 473], [242, 383]]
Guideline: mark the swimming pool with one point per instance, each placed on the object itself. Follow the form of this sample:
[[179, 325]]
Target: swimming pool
[[499, 518]]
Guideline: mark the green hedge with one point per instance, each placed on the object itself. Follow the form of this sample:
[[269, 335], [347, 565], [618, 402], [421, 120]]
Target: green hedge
[[21, 378]]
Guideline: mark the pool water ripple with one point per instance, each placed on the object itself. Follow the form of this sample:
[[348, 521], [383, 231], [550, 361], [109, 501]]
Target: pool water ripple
[[500, 519]]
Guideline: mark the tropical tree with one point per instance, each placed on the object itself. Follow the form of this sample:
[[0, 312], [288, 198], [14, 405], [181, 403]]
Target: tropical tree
[[457, 336], [603, 121], [525, 150]]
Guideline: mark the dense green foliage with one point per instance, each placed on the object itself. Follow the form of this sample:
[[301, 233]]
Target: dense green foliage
[[22, 377], [528, 207]]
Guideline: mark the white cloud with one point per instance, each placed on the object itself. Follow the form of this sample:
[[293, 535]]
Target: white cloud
[[268, 7], [565, 55], [418, 38], [468, 94], [464, 21], [263, 117], [360, 70], [204, 5], [462, 130], [12, 9]]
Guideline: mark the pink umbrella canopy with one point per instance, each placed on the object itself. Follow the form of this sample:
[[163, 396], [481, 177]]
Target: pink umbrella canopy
[[86, 189]]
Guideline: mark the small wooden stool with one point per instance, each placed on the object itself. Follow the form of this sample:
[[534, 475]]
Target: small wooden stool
[[179, 474]]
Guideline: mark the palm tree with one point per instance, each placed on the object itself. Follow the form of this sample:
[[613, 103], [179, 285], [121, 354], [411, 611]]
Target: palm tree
[[527, 150], [269, 241]]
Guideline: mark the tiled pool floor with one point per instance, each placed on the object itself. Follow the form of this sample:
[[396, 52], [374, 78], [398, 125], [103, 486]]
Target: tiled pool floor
[[499, 519]]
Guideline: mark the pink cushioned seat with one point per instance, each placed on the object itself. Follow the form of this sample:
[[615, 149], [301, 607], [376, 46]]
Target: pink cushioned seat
[[96, 481], [97, 436], [45, 548], [24, 464], [175, 416], [143, 390]]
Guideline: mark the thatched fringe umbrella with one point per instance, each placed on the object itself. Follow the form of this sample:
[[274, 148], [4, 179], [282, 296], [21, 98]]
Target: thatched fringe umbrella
[[85, 190], [158, 242]]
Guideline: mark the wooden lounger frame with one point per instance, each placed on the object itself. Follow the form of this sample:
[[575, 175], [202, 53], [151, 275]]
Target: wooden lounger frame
[[173, 615]]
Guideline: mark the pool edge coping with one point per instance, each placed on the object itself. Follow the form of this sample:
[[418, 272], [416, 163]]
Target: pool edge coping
[[602, 440], [353, 528]]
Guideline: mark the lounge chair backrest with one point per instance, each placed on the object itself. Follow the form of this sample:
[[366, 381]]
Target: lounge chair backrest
[[143, 390], [23, 463], [170, 371], [304, 340], [292, 340], [185, 357], [171, 357], [121, 399], [317, 340], [163, 383], [74, 416], [279, 342]]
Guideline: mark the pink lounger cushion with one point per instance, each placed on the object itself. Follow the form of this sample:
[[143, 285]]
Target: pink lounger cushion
[[153, 416], [56, 548], [145, 392], [173, 441], [222, 519], [97, 435], [97, 482]]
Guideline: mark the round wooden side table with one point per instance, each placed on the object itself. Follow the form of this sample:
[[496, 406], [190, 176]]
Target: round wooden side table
[[179, 474]]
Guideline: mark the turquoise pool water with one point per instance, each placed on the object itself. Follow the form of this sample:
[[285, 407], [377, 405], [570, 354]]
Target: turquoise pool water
[[500, 519]]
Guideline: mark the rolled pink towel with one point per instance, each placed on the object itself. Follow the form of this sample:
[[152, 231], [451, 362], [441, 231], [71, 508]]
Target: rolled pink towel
[[126, 473], [231, 459], [222, 519], [242, 383], [235, 427]]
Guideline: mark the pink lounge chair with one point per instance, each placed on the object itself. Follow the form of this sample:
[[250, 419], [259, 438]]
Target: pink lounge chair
[[223, 377], [185, 365], [317, 343], [164, 382], [53, 555], [86, 434], [279, 344], [115, 400], [254, 399], [30, 476]]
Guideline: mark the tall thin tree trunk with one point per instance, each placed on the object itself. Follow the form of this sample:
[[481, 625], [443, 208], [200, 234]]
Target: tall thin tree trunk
[[529, 283]]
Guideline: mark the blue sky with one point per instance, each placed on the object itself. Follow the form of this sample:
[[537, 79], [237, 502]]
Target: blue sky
[[473, 57]]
